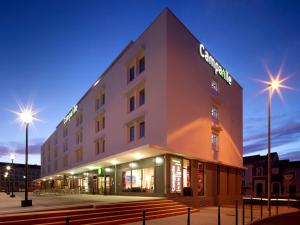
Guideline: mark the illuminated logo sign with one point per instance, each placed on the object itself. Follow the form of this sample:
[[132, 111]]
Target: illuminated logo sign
[[215, 65], [70, 114]]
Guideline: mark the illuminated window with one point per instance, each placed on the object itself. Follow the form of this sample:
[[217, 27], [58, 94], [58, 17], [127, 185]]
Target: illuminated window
[[142, 97], [148, 180], [141, 65], [215, 85], [214, 113], [131, 74], [131, 104], [214, 141]]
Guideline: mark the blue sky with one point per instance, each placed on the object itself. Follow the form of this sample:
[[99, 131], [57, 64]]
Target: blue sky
[[52, 51]]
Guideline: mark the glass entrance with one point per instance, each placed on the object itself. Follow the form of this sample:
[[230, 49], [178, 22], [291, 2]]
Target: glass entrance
[[105, 185]]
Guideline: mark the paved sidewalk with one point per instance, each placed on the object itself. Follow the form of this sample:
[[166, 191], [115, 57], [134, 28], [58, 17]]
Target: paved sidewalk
[[209, 216], [206, 216], [52, 201]]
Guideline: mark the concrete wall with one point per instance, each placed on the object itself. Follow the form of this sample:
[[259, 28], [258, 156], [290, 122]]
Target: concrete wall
[[189, 102]]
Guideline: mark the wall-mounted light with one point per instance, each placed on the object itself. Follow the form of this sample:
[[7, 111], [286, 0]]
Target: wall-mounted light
[[133, 165], [159, 160]]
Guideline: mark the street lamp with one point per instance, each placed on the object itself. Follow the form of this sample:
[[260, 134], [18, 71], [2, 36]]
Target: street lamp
[[12, 157], [27, 117], [8, 180], [273, 85]]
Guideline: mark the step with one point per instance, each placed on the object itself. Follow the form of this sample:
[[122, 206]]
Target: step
[[41, 214], [95, 213], [127, 218]]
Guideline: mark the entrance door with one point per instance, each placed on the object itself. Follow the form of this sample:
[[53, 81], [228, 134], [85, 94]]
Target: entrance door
[[105, 185]]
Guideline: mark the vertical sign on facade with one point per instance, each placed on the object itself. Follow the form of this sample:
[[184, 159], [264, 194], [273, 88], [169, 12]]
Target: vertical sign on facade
[[176, 168]]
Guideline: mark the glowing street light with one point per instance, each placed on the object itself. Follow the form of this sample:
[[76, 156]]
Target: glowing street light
[[26, 117], [273, 86]]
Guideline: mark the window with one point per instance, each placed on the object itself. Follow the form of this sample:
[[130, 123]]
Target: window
[[131, 133], [141, 65], [97, 103], [55, 151], [100, 123], [55, 165], [79, 119], [142, 97], [102, 99], [214, 141], [214, 86], [79, 155], [214, 113], [103, 122], [65, 146], [100, 146], [65, 131], [200, 178], [186, 168], [131, 74], [259, 171], [275, 171], [142, 129], [49, 169], [79, 137], [65, 161], [131, 104]]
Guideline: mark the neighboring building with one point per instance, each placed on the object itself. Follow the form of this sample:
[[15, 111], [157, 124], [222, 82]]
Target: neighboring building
[[18, 171], [285, 179], [160, 121]]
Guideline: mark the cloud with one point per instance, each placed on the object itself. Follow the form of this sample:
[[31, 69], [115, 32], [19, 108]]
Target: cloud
[[293, 156], [19, 148], [287, 131]]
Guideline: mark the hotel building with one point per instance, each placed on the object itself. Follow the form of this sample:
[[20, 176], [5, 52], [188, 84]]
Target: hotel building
[[164, 119]]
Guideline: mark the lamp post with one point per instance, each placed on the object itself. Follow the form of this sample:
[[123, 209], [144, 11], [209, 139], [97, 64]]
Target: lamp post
[[273, 85], [26, 116], [12, 157], [9, 178]]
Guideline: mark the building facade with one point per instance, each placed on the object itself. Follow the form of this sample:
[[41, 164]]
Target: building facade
[[16, 174], [285, 176], [164, 119]]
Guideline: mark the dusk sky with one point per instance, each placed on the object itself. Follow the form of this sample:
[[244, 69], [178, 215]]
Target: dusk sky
[[52, 51]]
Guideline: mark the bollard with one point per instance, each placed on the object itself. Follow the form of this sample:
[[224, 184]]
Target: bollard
[[144, 217], [68, 220], [243, 213], [261, 208], [236, 212], [219, 215], [277, 206], [189, 217], [251, 214]]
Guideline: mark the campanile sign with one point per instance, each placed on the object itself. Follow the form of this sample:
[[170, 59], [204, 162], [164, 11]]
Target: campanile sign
[[219, 70]]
